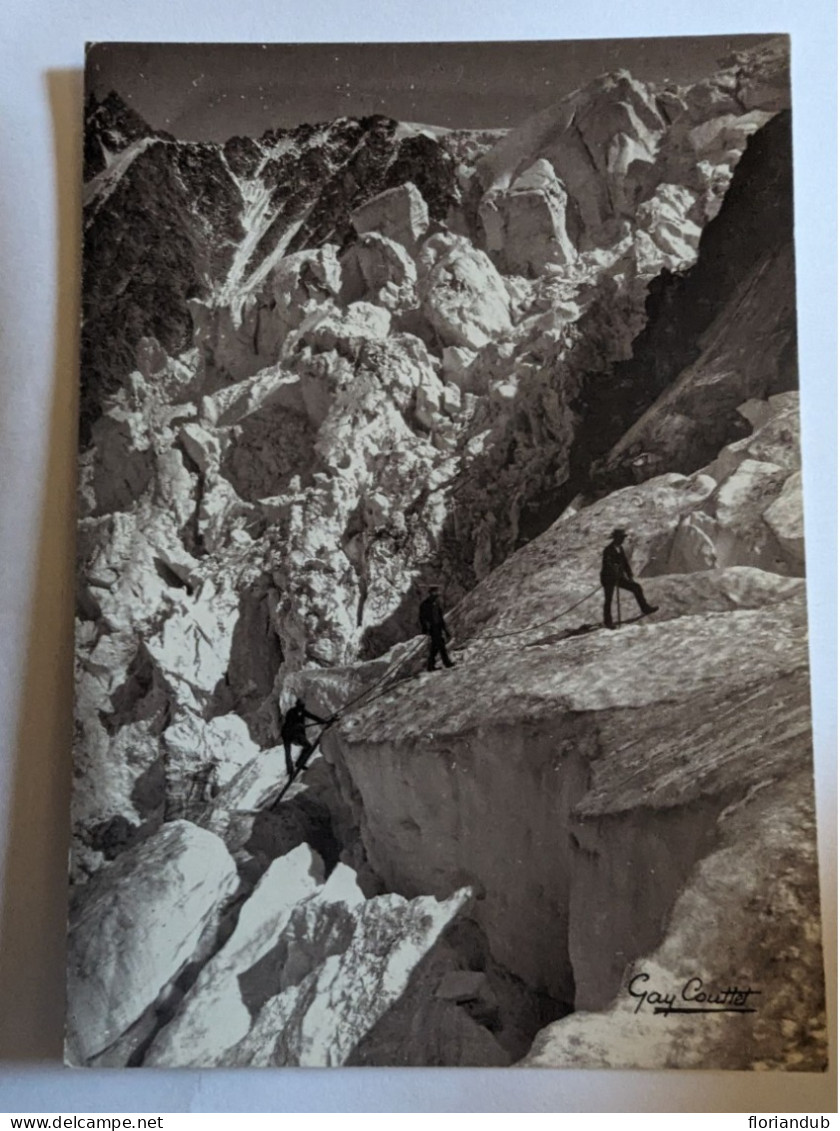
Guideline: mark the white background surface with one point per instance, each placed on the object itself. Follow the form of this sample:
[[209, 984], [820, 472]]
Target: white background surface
[[40, 174]]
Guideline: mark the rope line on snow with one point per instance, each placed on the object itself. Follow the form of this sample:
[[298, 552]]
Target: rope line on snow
[[539, 624], [394, 668]]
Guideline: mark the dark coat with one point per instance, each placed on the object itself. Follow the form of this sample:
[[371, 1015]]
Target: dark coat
[[614, 565], [294, 724], [431, 617]]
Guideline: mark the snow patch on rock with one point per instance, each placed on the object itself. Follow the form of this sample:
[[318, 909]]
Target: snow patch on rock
[[462, 294], [401, 214]]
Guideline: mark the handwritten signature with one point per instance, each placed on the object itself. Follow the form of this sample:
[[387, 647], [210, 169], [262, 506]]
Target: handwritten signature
[[694, 997]]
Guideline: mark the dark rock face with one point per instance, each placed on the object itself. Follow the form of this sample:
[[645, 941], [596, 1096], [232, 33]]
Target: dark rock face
[[243, 155], [110, 126], [460, 1007], [360, 160], [755, 220], [574, 405], [165, 231], [430, 167], [751, 238]]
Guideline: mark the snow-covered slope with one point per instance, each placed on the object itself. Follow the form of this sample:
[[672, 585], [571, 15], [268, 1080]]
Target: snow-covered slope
[[330, 365], [604, 784]]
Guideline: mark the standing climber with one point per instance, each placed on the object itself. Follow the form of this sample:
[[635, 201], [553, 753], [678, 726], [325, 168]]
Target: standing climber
[[617, 574], [293, 733], [434, 626]]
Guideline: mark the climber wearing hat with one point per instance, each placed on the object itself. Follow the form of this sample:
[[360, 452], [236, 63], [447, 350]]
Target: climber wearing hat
[[434, 626], [617, 574]]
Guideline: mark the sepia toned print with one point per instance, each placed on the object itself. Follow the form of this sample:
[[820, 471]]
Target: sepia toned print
[[442, 677]]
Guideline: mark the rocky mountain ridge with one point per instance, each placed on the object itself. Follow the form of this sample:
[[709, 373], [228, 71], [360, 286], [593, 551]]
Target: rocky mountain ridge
[[328, 365], [222, 215]]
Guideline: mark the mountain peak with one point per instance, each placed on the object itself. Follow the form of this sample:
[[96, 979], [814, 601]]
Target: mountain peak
[[111, 125]]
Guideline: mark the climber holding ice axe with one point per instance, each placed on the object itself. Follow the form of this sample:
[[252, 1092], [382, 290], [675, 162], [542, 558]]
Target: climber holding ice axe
[[617, 574]]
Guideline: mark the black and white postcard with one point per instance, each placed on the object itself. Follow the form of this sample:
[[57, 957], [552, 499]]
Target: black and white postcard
[[442, 688]]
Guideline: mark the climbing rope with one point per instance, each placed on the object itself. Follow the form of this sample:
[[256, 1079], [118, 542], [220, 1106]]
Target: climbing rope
[[394, 668], [531, 627]]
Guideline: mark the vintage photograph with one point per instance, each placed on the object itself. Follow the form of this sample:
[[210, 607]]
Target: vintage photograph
[[442, 689]]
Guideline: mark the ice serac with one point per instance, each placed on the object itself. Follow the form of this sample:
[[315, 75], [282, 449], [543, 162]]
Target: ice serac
[[754, 882], [462, 294], [400, 214], [591, 139], [308, 970], [380, 270], [303, 282], [136, 925], [635, 754], [722, 333], [207, 752], [348, 960], [784, 517], [213, 1016], [754, 516], [528, 222], [379, 355], [580, 174]]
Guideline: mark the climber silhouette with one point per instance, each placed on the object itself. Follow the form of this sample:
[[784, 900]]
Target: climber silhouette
[[617, 574], [293, 733], [432, 623]]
